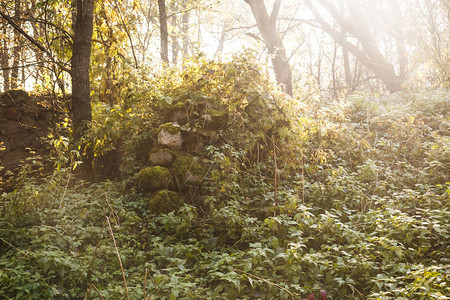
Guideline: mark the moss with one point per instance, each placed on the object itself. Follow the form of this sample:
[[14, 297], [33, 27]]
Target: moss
[[170, 127], [187, 169], [218, 118], [169, 135], [164, 201], [161, 156], [154, 178], [178, 106], [193, 143]]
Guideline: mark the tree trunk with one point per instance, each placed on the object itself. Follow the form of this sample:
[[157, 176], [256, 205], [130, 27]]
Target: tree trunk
[[185, 30], [174, 36], [4, 55], [380, 66], [82, 42], [81, 56], [220, 47], [110, 90], [163, 30], [399, 24], [16, 54], [347, 71], [274, 44]]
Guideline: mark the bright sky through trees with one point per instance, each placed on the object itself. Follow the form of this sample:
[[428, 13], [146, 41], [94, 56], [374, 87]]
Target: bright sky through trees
[[332, 47]]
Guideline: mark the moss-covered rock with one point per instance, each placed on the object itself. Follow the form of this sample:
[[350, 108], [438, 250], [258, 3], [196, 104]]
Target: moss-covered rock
[[161, 157], [170, 128], [154, 178], [164, 201], [169, 135], [187, 169]]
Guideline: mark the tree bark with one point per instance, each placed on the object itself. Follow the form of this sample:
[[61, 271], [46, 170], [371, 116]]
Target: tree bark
[[163, 31], [16, 52], [174, 36], [81, 56], [267, 28], [4, 55], [185, 30], [347, 71]]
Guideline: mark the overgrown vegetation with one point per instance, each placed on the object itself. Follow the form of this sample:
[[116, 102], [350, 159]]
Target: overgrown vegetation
[[295, 197]]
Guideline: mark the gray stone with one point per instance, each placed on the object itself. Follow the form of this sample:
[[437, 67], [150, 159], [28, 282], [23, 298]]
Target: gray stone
[[172, 140], [160, 157]]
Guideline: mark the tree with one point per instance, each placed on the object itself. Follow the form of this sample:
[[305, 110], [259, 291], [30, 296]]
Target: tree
[[81, 56], [356, 26], [185, 28], [274, 44], [4, 55], [17, 46], [81, 109], [163, 30], [174, 36], [268, 29], [432, 35]]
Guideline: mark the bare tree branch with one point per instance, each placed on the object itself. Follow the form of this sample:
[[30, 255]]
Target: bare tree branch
[[26, 66], [46, 22], [33, 41], [370, 54], [119, 10], [274, 14]]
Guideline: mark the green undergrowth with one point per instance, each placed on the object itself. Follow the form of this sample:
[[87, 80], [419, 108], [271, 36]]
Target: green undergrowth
[[350, 197]]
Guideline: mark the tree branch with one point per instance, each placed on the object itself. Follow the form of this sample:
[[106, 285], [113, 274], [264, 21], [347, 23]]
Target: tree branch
[[26, 66], [128, 33], [35, 20], [33, 41], [274, 14], [337, 36], [252, 35], [291, 21]]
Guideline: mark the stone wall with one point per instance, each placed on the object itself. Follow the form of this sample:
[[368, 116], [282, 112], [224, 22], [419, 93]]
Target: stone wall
[[25, 122]]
